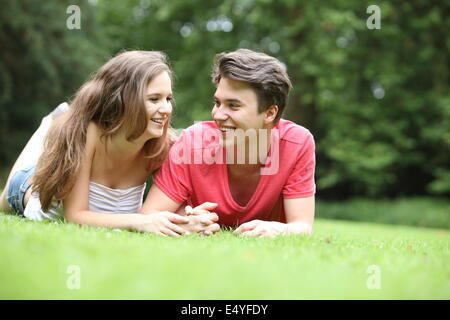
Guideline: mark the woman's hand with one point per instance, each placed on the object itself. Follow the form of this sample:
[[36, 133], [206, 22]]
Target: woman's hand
[[201, 219], [163, 223]]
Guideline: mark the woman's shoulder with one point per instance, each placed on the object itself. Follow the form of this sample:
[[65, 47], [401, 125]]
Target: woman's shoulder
[[93, 134], [93, 131]]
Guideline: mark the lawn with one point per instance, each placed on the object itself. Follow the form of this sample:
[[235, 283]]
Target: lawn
[[416, 211], [42, 261]]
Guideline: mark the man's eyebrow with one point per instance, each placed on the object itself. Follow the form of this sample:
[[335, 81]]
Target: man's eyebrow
[[229, 100]]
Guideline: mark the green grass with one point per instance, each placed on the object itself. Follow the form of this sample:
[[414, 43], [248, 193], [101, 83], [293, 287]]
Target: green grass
[[331, 264], [420, 212]]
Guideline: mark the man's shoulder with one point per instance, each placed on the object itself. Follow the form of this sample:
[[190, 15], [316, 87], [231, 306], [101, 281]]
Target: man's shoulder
[[292, 132]]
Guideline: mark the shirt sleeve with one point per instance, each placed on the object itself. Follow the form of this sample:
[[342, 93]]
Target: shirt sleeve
[[300, 182], [173, 177]]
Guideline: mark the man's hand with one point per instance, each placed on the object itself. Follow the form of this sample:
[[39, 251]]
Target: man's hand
[[259, 228], [201, 219], [205, 207], [205, 223]]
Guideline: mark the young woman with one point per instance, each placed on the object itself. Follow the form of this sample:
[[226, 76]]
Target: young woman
[[89, 162]]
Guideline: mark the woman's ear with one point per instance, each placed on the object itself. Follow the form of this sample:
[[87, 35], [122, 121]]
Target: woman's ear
[[271, 114]]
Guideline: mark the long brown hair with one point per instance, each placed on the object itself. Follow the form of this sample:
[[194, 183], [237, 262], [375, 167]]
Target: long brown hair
[[114, 100]]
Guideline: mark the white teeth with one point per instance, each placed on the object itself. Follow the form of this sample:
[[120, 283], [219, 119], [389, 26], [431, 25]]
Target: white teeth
[[226, 129], [158, 120]]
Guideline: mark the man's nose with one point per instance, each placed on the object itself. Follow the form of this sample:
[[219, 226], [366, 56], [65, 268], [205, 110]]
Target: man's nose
[[219, 114]]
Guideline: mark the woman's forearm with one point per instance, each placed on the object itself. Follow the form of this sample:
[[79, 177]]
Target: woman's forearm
[[128, 221], [164, 223]]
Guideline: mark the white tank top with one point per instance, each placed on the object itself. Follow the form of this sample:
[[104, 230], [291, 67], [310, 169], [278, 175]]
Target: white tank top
[[101, 199]]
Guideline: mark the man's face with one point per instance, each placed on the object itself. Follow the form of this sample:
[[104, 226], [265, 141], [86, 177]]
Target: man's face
[[236, 107]]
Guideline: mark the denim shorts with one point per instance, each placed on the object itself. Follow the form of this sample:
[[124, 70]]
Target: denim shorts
[[18, 186]]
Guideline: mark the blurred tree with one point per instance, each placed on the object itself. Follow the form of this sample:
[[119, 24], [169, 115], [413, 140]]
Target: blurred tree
[[377, 101], [42, 63]]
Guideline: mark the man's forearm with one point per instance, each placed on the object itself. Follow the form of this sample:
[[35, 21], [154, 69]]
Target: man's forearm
[[298, 228]]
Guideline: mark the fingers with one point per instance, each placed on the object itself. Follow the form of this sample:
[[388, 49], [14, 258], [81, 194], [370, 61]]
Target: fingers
[[196, 211], [212, 216], [176, 218], [199, 211], [211, 229], [264, 230], [168, 232], [175, 228], [209, 219], [206, 221], [247, 226], [250, 234], [204, 208], [256, 232], [188, 210], [214, 228], [207, 206]]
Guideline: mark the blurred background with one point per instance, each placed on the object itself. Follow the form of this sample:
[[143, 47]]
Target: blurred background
[[376, 101]]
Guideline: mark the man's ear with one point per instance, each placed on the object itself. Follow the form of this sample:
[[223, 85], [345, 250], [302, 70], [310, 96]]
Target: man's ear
[[271, 114]]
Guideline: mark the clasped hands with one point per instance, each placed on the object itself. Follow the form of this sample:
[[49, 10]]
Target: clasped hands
[[256, 228], [202, 220]]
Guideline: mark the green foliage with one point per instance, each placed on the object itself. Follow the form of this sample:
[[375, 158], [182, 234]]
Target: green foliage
[[331, 264], [42, 63], [377, 101]]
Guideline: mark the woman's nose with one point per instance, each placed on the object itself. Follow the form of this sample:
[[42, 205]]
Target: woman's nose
[[166, 107]]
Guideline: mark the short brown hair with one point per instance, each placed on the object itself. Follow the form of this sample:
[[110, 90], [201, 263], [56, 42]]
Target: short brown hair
[[264, 73]]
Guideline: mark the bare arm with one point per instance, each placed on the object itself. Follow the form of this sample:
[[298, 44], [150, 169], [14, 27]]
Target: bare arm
[[299, 214], [76, 204], [158, 201], [204, 221], [299, 220]]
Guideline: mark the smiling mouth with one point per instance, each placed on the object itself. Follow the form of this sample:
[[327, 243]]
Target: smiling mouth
[[158, 121], [226, 129]]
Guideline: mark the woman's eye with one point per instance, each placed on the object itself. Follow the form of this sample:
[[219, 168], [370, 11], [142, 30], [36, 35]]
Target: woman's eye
[[154, 99], [169, 99]]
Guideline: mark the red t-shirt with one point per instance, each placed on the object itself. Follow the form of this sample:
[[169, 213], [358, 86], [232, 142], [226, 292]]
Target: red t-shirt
[[196, 172]]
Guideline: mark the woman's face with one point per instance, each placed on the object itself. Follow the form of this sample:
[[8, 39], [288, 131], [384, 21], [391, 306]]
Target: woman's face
[[158, 100]]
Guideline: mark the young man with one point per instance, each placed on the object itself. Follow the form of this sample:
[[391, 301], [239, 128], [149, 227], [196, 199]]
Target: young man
[[257, 167]]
